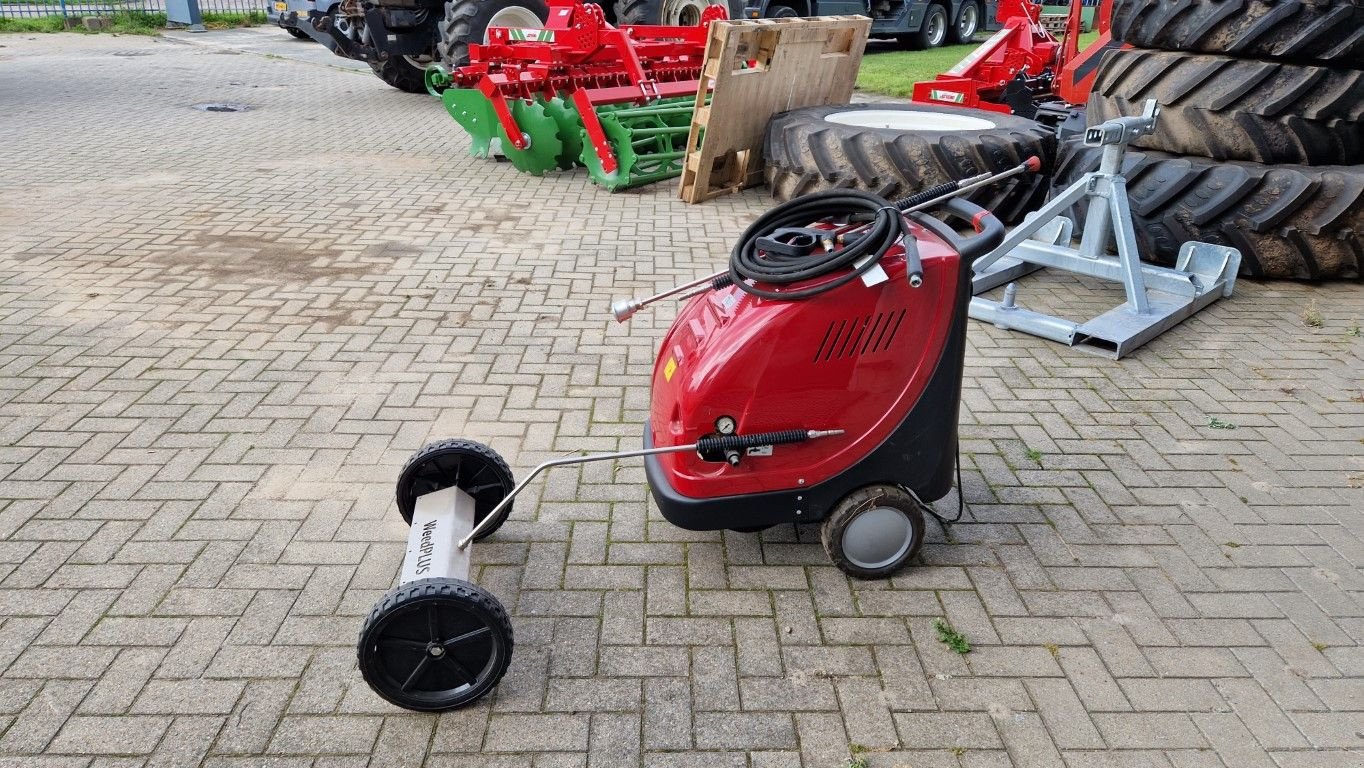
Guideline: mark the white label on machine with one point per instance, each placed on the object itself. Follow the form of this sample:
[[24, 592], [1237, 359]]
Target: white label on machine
[[440, 520], [873, 276]]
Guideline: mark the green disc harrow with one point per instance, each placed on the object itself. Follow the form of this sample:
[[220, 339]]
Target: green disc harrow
[[649, 142]]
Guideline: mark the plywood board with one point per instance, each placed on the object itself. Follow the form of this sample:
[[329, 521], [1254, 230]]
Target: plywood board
[[758, 68]]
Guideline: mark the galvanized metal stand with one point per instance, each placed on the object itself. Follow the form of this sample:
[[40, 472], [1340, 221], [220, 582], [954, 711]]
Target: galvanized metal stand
[[1158, 298]]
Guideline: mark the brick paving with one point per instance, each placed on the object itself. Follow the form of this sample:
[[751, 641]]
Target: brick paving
[[221, 335]]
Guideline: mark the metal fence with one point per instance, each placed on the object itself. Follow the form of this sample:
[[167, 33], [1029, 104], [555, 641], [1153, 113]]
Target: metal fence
[[37, 8]]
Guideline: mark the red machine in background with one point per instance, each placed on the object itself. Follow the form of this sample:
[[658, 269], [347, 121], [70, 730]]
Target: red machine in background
[[1024, 69], [618, 100]]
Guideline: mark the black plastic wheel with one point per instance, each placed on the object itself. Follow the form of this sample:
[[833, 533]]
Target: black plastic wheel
[[435, 644], [472, 467], [873, 531]]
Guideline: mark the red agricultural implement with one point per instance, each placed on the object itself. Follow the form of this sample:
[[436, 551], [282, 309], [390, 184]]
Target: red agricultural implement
[[618, 100], [1024, 69]]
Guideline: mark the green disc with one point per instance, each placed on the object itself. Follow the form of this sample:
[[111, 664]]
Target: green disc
[[545, 147], [570, 131], [618, 136], [475, 114]]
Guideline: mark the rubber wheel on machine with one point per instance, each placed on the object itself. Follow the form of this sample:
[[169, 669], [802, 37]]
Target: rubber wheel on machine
[[873, 531], [968, 22], [782, 12], [672, 13], [435, 644], [1234, 109], [1306, 31], [467, 21], [1288, 221], [933, 32], [896, 150], [298, 33], [471, 466], [400, 73]]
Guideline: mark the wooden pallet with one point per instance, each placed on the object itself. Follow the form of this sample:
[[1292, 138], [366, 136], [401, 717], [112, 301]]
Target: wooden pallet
[[758, 68]]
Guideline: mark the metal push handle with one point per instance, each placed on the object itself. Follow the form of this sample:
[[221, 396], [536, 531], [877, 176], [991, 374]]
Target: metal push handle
[[790, 436]]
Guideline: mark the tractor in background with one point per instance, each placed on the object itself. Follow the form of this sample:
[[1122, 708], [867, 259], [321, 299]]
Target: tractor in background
[[400, 38]]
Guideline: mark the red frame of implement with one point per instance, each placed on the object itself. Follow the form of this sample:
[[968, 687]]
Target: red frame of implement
[[578, 56]]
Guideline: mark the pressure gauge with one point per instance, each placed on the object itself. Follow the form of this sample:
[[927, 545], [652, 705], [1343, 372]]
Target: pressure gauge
[[725, 425]]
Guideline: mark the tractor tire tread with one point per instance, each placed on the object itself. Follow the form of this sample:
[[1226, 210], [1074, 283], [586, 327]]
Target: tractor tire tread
[[1289, 221], [466, 21], [806, 153], [639, 12], [401, 74], [1306, 31], [1234, 109]]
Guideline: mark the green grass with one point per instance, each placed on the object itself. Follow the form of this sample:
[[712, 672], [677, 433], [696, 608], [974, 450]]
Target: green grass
[[33, 24], [133, 23], [892, 72]]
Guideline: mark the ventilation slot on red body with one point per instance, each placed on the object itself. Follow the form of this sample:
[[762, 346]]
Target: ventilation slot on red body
[[859, 336]]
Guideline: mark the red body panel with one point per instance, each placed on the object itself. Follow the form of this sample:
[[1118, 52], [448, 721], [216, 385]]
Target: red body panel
[[856, 358]]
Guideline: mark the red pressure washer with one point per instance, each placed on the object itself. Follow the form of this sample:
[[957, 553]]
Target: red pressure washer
[[817, 380]]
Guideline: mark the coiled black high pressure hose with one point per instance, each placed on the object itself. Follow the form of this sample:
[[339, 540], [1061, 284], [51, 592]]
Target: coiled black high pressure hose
[[885, 228]]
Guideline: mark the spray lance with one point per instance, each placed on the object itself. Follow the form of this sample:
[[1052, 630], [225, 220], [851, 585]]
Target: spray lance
[[780, 235]]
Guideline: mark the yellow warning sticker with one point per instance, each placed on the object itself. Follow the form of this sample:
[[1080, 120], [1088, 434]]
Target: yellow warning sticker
[[670, 369]]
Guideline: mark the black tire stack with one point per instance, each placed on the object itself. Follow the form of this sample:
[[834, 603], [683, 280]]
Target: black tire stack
[[1260, 143]]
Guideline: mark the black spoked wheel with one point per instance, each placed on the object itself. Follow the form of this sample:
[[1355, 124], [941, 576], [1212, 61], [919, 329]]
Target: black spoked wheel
[[435, 644], [472, 467], [874, 531]]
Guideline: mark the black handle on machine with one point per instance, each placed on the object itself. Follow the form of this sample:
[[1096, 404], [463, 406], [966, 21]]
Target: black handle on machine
[[990, 230], [741, 442], [924, 196]]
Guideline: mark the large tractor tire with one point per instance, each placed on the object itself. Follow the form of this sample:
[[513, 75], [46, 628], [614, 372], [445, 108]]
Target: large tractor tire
[[672, 13], [467, 21], [1305, 31], [1289, 221], [1235, 109], [400, 73], [896, 150]]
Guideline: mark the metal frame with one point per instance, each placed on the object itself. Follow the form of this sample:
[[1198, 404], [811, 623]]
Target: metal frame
[[1158, 298]]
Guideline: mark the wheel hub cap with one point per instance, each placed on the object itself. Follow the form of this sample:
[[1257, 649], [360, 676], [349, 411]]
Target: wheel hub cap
[[877, 538], [910, 120]]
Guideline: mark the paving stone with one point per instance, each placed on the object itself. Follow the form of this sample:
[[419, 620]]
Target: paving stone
[[743, 730], [95, 735], [532, 733]]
